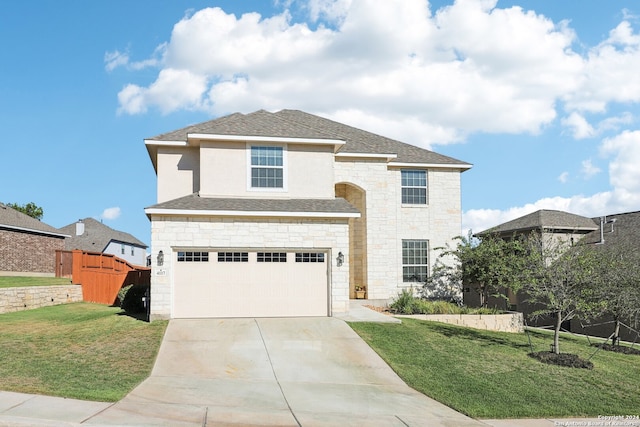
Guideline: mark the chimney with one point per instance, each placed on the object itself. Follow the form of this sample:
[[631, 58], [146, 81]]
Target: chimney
[[79, 228]]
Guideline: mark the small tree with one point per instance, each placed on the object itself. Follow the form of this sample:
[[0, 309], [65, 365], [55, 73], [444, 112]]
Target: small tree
[[491, 263], [615, 291], [562, 276], [31, 209]]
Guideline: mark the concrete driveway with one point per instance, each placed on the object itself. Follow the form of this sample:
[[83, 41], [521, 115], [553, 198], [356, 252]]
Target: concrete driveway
[[285, 372]]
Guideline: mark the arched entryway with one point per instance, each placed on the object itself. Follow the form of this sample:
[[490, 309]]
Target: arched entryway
[[357, 236]]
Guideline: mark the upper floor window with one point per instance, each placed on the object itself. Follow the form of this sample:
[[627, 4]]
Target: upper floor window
[[414, 187], [267, 167]]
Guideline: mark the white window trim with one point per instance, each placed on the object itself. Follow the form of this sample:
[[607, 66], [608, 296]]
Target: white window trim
[[402, 264], [285, 169], [415, 205]]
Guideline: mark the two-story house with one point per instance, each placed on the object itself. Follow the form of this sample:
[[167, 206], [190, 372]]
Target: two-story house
[[287, 213]]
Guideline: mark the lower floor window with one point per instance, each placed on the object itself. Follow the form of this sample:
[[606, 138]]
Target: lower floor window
[[272, 257], [415, 260], [193, 256], [309, 257], [233, 256]]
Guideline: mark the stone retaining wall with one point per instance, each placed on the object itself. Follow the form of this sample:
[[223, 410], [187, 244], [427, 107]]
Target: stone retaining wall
[[511, 322], [26, 298]]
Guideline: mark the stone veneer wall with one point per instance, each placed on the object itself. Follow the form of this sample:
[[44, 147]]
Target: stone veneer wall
[[26, 298], [511, 322], [210, 233], [389, 222], [25, 252]]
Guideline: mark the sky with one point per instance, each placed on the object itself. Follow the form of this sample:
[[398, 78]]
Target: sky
[[541, 96]]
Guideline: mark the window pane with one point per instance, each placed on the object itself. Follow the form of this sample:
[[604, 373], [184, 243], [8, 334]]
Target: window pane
[[266, 178], [414, 187], [233, 257], [415, 260], [309, 257], [266, 156]]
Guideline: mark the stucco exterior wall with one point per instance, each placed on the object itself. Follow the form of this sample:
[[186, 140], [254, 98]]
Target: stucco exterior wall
[[226, 168], [178, 172], [28, 253], [212, 233], [389, 222]]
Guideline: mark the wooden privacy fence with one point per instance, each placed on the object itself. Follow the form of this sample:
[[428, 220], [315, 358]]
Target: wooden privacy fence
[[101, 275]]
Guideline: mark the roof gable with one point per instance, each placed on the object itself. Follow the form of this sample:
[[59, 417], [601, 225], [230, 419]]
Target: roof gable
[[96, 236], [298, 124], [548, 220]]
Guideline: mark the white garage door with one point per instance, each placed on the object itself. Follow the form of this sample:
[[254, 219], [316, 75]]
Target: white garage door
[[233, 283]]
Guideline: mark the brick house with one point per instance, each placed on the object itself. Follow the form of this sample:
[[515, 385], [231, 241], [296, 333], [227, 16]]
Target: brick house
[[287, 214], [27, 246]]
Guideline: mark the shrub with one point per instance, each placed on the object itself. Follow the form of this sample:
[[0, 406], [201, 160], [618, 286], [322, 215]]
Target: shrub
[[132, 301], [121, 293], [407, 303]]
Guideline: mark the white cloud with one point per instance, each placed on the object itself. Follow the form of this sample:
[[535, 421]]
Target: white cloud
[[624, 173], [588, 169], [426, 70], [115, 59], [610, 72], [578, 125], [564, 177], [624, 196], [110, 213]]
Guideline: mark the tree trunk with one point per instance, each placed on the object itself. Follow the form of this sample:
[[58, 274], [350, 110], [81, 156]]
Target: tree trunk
[[483, 298], [616, 332], [556, 335]]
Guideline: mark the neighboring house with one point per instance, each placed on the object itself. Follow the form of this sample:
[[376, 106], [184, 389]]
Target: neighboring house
[[93, 236], [608, 231], [27, 246], [551, 225], [285, 214]]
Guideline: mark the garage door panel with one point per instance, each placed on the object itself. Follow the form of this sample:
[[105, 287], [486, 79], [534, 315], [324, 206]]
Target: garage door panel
[[250, 289]]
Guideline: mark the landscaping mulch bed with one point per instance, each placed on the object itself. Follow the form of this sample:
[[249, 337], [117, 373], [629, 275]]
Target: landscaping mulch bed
[[618, 348], [563, 359]]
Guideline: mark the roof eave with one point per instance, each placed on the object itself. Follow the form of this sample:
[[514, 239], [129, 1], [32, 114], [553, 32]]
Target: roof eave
[[33, 230], [460, 166], [257, 214]]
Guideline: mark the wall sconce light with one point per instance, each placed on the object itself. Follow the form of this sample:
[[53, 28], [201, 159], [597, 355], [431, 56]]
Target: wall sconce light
[[340, 259], [160, 259]]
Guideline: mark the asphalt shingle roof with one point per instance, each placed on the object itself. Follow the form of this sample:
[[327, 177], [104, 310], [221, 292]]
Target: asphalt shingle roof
[[195, 202], [11, 218], [618, 230], [96, 236], [547, 220], [298, 124]]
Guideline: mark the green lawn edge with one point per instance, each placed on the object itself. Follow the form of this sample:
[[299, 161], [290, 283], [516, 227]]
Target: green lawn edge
[[23, 281], [489, 375], [82, 351]]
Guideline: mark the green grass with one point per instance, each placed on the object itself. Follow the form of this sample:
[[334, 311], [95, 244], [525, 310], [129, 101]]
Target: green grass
[[489, 374], [82, 351], [19, 281]]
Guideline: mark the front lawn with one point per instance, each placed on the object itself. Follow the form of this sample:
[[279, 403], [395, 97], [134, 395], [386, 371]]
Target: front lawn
[[20, 281], [82, 351], [490, 375]]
